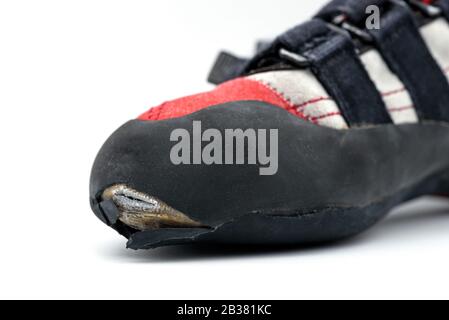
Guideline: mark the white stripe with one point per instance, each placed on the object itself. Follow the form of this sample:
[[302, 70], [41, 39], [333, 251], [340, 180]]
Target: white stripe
[[436, 35], [390, 87], [335, 122]]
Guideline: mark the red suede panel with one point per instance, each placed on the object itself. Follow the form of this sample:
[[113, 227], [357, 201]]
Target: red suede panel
[[241, 89]]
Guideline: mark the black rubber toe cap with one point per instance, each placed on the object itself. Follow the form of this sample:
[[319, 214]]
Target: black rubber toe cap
[[318, 168], [138, 155]]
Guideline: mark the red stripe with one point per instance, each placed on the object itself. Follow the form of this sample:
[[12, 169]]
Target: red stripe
[[393, 92], [399, 109], [324, 116], [313, 101]]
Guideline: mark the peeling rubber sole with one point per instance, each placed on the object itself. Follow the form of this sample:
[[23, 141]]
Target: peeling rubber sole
[[300, 228]]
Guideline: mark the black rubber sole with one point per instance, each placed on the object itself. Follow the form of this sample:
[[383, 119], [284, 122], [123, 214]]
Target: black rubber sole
[[331, 184], [328, 225]]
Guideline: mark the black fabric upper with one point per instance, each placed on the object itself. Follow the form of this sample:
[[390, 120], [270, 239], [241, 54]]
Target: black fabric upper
[[328, 48], [402, 47], [335, 62], [227, 67], [444, 4], [404, 50]]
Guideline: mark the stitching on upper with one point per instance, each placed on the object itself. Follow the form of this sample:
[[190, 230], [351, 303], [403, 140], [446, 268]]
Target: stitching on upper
[[393, 92], [399, 109], [313, 101], [281, 95], [298, 108]]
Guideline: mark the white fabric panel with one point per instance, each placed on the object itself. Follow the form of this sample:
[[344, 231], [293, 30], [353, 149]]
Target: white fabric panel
[[335, 122], [303, 90], [299, 86], [319, 108], [396, 98], [436, 35]]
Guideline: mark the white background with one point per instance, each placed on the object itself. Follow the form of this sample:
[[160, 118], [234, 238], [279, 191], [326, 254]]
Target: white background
[[73, 71]]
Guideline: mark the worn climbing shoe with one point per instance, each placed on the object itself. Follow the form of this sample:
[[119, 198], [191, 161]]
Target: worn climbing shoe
[[314, 139]]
